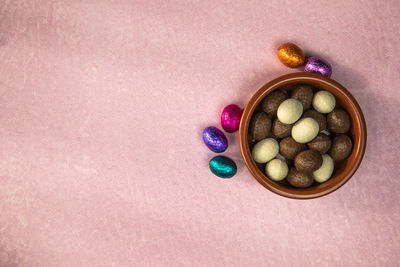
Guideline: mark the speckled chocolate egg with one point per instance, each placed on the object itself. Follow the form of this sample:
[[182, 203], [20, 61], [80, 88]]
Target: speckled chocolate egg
[[320, 118], [289, 148], [318, 65], [341, 147], [230, 118], [299, 179], [223, 167], [291, 55], [281, 130], [308, 161], [260, 126], [303, 93], [338, 121], [272, 101], [322, 143], [215, 139]]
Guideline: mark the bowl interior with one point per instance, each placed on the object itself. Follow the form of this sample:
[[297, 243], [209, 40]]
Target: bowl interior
[[343, 169]]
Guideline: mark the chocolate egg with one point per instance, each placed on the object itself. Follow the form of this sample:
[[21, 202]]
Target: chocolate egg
[[305, 130], [318, 65], [272, 101], [309, 160], [320, 118], [230, 118], [341, 147], [265, 150], [215, 139], [260, 126], [289, 148], [223, 167], [325, 171], [322, 143], [324, 101], [289, 111], [338, 121], [303, 93], [280, 129], [299, 179], [276, 169], [290, 55]]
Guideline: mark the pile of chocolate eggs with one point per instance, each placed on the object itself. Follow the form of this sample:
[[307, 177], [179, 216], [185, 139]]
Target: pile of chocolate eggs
[[216, 141], [298, 134], [292, 56]]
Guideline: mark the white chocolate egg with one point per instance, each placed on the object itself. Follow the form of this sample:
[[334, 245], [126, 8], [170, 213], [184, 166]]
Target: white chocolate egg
[[289, 111], [265, 150], [305, 130], [324, 101], [325, 171], [276, 169]]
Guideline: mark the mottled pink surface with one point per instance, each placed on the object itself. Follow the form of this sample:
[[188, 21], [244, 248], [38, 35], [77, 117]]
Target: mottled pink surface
[[102, 105]]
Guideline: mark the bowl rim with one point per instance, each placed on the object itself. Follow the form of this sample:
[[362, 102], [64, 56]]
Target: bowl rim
[[300, 77]]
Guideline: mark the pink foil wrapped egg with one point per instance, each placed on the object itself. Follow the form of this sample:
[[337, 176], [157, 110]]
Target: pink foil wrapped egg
[[230, 118]]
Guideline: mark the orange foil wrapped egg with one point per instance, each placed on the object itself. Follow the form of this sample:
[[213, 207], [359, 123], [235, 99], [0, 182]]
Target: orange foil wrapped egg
[[291, 55]]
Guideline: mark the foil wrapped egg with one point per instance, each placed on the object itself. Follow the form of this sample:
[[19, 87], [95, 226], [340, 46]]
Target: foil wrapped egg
[[318, 65], [230, 118], [215, 139], [291, 55], [223, 167]]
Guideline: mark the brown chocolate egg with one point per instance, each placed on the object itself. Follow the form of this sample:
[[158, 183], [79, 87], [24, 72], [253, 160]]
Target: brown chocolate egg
[[338, 121], [299, 179], [260, 126], [322, 143], [272, 101], [319, 117], [291, 55], [341, 147], [303, 93], [290, 148], [281, 130], [308, 161]]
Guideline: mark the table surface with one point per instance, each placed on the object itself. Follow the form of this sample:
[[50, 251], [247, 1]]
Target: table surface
[[102, 108]]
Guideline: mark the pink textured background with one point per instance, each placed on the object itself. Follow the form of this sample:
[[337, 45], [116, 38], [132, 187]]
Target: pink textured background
[[102, 105]]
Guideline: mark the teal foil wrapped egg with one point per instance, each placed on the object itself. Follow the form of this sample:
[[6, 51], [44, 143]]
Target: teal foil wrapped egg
[[223, 167]]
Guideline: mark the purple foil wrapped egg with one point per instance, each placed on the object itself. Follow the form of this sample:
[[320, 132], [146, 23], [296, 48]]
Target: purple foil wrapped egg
[[230, 118], [318, 65], [215, 139]]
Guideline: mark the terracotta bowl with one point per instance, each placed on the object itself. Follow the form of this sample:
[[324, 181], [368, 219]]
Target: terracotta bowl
[[343, 171]]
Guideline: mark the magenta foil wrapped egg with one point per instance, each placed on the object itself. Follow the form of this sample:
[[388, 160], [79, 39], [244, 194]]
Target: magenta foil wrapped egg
[[318, 65], [230, 118]]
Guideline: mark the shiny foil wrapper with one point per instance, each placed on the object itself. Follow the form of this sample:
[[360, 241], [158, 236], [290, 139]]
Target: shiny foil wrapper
[[318, 65], [291, 55], [215, 139], [230, 118], [223, 167]]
